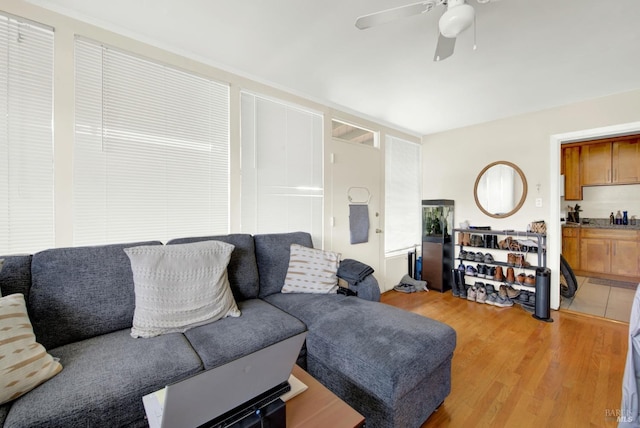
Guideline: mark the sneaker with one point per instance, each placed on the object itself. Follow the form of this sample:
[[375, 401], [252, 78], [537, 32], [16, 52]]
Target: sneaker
[[481, 292], [461, 267], [491, 273], [471, 293], [405, 288], [491, 298], [479, 257], [503, 302], [471, 256], [488, 258], [482, 269], [471, 271], [512, 293]]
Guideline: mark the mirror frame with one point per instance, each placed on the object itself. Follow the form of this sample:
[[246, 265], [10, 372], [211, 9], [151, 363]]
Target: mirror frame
[[524, 189]]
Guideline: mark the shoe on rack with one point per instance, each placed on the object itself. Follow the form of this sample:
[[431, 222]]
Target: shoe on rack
[[521, 277], [481, 292], [499, 275], [461, 267], [512, 293], [511, 259], [488, 258], [462, 286], [503, 302], [530, 280], [510, 275], [471, 271], [471, 293], [491, 298], [491, 272], [462, 255], [479, 257], [471, 256], [455, 284]]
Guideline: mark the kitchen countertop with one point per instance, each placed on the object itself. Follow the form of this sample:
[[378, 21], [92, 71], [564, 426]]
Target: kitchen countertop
[[603, 226]]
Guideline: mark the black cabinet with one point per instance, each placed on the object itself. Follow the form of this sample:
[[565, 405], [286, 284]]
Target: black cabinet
[[437, 243]]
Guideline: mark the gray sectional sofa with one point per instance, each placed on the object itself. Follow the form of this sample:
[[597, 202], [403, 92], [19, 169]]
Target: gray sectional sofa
[[392, 366]]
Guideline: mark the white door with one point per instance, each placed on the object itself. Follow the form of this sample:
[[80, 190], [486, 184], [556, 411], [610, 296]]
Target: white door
[[356, 171]]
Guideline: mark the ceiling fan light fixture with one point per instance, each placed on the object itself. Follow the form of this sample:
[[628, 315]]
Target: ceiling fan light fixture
[[456, 19]]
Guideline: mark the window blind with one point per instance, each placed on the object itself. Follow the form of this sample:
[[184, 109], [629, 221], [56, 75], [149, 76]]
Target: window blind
[[282, 179], [26, 136], [403, 194], [151, 151]]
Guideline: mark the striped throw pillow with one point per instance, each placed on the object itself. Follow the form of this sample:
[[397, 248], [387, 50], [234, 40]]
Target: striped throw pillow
[[24, 363], [311, 271]]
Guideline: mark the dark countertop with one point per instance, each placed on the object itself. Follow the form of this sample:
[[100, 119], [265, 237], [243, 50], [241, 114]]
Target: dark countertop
[[603, 226]]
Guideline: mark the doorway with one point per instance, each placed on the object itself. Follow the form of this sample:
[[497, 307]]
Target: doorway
[[554, 242]]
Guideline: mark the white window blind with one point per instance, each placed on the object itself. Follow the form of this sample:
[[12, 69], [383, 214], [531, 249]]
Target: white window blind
[[26, 136], [403, 177], [282, 188], [151, 152]]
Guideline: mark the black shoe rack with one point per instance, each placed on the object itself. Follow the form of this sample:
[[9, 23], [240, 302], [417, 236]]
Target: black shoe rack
[[488, 241]]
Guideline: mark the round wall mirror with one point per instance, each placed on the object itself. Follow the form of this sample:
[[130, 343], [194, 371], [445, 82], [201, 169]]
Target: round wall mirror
[[500, 189]]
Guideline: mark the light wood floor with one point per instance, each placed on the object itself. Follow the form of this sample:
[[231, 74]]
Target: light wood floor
[[511, 370]]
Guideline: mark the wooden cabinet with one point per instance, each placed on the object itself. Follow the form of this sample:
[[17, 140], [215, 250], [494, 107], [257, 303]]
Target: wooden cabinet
[[571, 170], [610, 251], [571, 246], [625, 161], [613, 162], [595, 164]]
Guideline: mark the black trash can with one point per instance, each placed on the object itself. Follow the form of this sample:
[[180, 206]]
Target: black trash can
[[543, 295]]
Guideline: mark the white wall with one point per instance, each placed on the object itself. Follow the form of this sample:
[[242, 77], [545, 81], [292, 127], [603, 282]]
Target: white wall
[[528, 141], [65, 31]]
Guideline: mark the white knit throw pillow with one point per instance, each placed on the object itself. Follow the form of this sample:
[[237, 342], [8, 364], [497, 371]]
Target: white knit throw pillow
[[181, 286], [311, 271]]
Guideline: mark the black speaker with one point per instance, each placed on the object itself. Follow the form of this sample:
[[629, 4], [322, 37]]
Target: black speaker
[[543, 295]]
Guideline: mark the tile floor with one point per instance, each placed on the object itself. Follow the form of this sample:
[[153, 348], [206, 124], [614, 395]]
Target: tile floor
[[601, 300]]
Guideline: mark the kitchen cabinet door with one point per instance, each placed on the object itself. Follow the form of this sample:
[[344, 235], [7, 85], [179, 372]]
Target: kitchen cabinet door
[[595, 255], [626, 162], [595, 164], [571, 246], [571, 171], [624, 258]]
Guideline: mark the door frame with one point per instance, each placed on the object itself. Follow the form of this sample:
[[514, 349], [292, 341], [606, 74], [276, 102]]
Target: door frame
[[554, 243]]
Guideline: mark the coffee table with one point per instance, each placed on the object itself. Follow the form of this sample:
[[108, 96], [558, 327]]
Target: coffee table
[[319, 407]]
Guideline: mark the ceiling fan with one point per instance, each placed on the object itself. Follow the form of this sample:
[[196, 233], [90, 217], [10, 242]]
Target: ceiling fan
[[457, 17]]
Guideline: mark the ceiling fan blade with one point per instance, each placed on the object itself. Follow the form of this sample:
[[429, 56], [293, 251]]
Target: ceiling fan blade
[[445, 47], [386, 16]]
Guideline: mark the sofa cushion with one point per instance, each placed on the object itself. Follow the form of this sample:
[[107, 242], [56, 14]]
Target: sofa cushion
[[242, 269], [15, 276], [399, 344], [104, 380], [272, 255], [308, 308], [180, 286], [81, 292], [260, 325], [24, 363], [311, 271]]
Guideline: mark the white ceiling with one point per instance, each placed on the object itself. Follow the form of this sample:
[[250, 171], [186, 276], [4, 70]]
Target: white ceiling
[[531, 55]]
